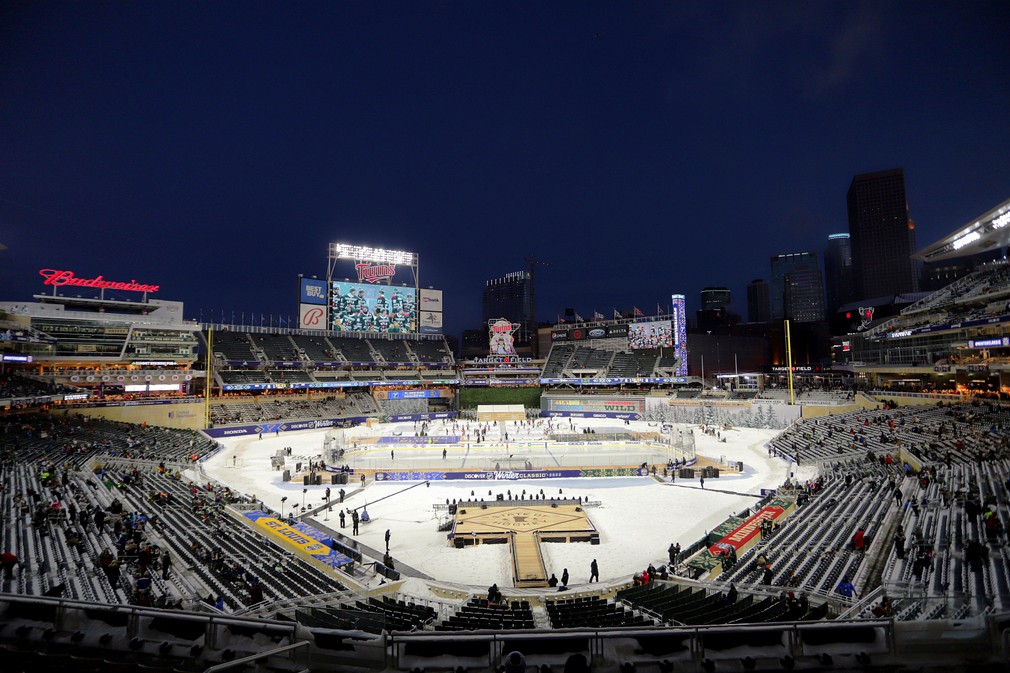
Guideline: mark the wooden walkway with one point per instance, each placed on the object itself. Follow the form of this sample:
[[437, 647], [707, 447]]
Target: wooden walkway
[[527, 561], [523, 527]]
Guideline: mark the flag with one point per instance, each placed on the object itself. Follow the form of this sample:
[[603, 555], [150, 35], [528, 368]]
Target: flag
[[561, 321], [578, 318], [659, 309], [617, 314], [637, 311], [598, 316]]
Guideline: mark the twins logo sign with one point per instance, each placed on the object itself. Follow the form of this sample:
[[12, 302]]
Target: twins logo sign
[[500, 336]]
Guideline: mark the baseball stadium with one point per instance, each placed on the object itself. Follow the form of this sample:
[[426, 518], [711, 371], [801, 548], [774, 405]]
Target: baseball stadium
[[349, 494]]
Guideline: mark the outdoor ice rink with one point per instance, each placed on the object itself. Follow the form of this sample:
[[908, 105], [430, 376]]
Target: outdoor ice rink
[[637, 517]]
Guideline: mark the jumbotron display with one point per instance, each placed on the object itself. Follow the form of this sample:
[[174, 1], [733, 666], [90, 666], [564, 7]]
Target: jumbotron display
[[642, 335], [359, 307]]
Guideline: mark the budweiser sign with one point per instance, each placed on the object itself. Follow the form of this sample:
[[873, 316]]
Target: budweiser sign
[[374, 273], [59, 277]]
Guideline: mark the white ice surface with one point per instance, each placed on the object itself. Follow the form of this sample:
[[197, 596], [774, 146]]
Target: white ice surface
[[637, 518]]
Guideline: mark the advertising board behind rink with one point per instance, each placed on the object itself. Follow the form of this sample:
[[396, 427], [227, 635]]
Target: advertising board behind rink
[[594, 404]]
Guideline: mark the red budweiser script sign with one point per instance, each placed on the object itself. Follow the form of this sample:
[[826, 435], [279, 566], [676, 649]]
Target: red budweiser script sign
[[58, 277]]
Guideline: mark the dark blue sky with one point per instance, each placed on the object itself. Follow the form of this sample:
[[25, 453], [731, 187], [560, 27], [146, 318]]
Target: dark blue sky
[[640, 148]]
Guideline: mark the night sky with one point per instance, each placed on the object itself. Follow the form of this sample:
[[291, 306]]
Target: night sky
[[638, 148]]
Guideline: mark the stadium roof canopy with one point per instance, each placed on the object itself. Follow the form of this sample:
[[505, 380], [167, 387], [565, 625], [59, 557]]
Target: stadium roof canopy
[[986, 232]]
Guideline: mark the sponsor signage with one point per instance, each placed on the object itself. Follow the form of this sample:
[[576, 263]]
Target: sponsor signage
[[583, 333], [312, 291], [617, 331], [430, 322], [319, 423], [989, 343], [58, 277], [504, 383], [508, 475], [591, 414], [304, 538], [311, 316], [502, 360], [430, 300], [588, 403], [412, 394], [609, 381], [431, 416], [745, 532], [15, 358]]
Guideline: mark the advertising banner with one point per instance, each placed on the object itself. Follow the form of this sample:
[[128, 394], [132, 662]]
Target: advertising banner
[[411, 394], [642, 335], [510, 475], [559, 335], [312, 291], [431, 322], [311, 316], [359, 307], [290, 426], [589, 403], [430, 416], [592, 414], [745, 532], [301, 537], [617, 331], [430, 300]]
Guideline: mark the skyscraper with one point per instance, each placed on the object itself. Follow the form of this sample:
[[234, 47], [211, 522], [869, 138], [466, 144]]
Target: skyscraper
[[797, 288], [758, 303], [713, 313], [510, 297], [713, 298], [882, 235], [838, 272]]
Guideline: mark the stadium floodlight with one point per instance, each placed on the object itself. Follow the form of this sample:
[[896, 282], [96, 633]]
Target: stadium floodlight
[[966, 239], [367, 254]]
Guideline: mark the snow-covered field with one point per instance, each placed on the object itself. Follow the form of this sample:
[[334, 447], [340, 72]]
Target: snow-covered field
[[637, 517]]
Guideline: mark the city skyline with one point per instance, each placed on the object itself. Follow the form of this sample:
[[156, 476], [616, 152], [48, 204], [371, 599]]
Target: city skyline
[[637, 151]]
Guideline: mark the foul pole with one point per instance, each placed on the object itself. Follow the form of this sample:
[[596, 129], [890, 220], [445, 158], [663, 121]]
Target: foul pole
[[789, 364]]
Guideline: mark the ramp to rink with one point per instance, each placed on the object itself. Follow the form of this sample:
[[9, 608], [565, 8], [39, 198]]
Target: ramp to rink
[[528, 568], [501, 412]]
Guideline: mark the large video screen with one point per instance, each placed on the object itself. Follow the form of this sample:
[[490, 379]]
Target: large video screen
[[359, 307], [642, 335]]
